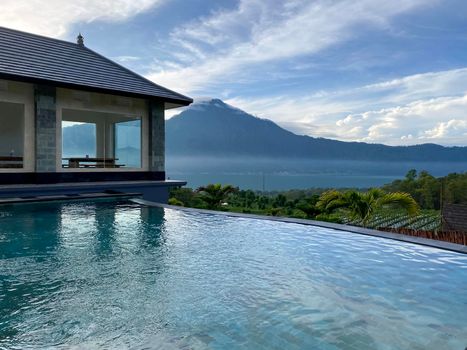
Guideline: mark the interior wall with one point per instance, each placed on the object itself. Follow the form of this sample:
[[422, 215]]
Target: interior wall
[[15, 96], [11, 129]]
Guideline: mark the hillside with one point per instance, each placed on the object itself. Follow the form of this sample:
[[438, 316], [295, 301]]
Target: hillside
[[214, 128]]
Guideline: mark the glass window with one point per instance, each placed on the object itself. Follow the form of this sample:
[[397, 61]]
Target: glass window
[[128, 142], [78, 139], [11, 135], [100, 140]]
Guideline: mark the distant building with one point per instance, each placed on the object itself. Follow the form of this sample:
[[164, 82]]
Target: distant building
[[454, 217], [48, 86]]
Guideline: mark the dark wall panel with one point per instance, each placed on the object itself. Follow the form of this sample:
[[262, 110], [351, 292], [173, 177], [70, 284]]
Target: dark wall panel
[[51, 178]]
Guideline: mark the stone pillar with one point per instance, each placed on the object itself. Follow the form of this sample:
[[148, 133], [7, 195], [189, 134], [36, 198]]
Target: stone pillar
[[46, 128], [156, 136]]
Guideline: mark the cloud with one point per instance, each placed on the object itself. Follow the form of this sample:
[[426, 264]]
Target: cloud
[[256, 44], [422, 85], [229, 44], [453, 128], [54, 17], [430, 107], [442, 120], [125, 59]]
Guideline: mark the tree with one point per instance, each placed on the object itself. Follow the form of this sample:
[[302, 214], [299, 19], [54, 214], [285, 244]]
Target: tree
[[308, 206], [411, 175], [185, 197], [363, 205], [427, 191], [215, 194], [455, 188], [279, 201]]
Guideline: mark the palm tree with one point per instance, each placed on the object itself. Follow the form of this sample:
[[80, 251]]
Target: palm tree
[[363, 205], [215, 194]]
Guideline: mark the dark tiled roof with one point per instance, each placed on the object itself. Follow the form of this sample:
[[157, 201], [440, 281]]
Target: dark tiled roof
[[455, 217], [32, 57]]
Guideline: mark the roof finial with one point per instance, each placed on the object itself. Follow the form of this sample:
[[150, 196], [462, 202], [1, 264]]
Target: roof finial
[[80, 40]]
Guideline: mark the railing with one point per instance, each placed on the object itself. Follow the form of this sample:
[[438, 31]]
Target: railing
[[87, 162]]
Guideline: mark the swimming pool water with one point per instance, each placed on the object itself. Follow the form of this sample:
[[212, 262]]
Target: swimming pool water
[[117, 275]]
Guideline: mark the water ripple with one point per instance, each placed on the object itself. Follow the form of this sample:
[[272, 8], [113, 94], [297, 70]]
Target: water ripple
[[114, 275]]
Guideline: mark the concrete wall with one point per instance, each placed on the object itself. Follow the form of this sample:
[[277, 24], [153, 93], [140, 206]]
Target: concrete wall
[[23, 95], [11, 129]]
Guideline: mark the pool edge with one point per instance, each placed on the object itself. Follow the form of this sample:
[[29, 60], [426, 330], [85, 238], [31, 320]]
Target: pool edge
[[458, 248]]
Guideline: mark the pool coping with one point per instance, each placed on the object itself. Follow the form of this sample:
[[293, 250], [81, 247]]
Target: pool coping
[[458, 248], [66, 197]]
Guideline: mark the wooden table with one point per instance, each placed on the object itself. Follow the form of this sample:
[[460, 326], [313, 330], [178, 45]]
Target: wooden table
[[87, 162]]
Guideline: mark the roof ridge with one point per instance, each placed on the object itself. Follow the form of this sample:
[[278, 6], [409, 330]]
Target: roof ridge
[[39, 36]]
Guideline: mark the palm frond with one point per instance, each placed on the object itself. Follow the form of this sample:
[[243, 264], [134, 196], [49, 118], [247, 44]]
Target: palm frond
[[399, 200]]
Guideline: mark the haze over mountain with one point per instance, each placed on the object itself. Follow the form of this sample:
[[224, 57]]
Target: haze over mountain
[[214, 128], [212, 142]]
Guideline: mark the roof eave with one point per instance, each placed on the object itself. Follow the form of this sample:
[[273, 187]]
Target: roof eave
[[174, 102]]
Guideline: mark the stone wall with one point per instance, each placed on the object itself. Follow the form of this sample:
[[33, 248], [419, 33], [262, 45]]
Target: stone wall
[[46, 128], [156, 136]]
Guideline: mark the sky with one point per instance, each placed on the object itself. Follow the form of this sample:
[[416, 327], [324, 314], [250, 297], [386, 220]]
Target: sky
[[378, 71]]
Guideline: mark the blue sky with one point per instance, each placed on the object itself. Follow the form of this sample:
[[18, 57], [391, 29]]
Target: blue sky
[[392, 72]]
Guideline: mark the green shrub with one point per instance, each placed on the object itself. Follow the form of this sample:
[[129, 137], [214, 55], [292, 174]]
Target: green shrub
[[335, 218], [299, 214], [175, 201]]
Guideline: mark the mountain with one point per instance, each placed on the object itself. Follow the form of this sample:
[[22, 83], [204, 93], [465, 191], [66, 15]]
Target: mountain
[[79, 140], [214, 128]]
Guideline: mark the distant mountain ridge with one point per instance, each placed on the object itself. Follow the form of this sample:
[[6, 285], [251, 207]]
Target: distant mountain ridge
[[214, 128]]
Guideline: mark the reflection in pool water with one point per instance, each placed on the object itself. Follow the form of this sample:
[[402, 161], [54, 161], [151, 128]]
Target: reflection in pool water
[[112, 274]]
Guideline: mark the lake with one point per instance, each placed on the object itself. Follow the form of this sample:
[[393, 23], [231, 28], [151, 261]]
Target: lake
[[283, 174]]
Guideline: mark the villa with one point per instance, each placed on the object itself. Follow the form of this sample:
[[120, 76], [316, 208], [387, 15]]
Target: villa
[[49, 87]]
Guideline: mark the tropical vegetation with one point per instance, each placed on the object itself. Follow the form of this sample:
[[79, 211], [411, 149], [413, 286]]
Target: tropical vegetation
[[412, 202], [214, 195], [363, 206], [430, 191]]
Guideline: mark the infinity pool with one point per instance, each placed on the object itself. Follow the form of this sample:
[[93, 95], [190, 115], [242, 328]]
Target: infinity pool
[[117, 275]]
